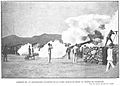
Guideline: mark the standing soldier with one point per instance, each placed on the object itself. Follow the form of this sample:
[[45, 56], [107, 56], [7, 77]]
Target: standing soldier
[[110, 57], [75, 53], [5, 52], [29, 49], [81, 52], [33, 53], [49, 52], [15, 50], [68, 52]]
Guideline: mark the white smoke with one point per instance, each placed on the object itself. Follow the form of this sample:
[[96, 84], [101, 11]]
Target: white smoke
[[24, 49], [78, 28], [58, 50], [113, 25], [86, 24]]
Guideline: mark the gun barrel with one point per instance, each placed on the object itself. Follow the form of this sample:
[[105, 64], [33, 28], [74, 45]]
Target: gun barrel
[[80, 44]]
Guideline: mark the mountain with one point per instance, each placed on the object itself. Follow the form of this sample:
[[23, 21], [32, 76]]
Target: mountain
[[14, 40]]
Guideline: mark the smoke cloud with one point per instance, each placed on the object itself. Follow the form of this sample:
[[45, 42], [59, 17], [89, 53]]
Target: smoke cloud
[[113, 25], [58, 50], [24, 49], [81, 26]]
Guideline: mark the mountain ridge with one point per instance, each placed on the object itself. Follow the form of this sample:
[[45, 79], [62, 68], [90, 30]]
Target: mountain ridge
[[42, 39]]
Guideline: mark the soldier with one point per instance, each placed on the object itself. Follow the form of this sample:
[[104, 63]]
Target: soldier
[[49, 52], [68, 52], [29, 49], [110, 57], [75, 53], [5, 52], [109, 37], [33, 53]]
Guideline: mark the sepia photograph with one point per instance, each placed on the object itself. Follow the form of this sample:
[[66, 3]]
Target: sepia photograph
[[59, 39]]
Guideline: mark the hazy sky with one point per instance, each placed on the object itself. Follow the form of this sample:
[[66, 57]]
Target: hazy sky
[[27, 19]]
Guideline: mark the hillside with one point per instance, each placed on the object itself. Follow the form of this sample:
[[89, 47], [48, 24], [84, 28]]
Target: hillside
[[13, 40]]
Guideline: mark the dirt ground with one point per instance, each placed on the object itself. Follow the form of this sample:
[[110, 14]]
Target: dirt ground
[[18, 67]]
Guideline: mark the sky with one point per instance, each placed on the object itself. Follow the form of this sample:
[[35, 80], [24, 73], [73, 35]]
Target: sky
[[27, 19]]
